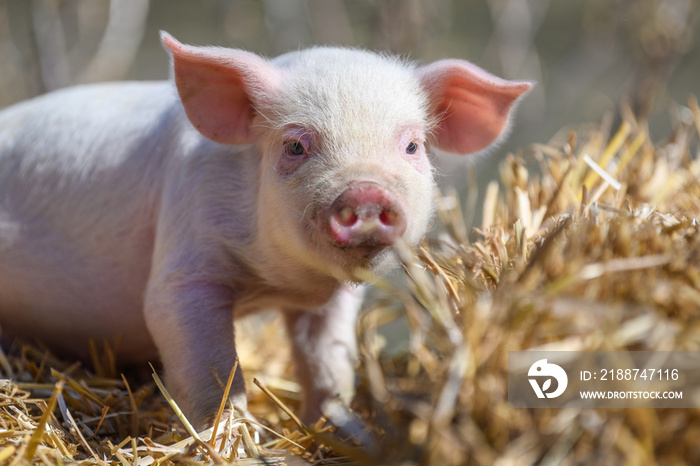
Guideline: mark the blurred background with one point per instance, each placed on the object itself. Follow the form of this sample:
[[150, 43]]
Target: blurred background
[[590, 58]]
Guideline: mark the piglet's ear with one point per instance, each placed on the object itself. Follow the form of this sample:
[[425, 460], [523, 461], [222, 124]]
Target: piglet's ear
[[220, 87], [472, 105]]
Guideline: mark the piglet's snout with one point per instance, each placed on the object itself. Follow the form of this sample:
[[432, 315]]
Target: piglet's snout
[[365, 214]]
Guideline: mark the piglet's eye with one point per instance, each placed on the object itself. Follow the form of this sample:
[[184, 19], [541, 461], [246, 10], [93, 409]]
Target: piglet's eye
[[411, 148], [295, 148]]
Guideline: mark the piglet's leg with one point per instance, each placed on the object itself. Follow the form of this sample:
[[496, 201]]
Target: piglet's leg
[[192, 324], [325, 353]]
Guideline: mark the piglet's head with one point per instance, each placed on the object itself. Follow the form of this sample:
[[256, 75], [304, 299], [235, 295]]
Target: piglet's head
[[342, 136]]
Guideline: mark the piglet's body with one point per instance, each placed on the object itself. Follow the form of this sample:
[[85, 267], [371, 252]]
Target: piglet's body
[[154, 213]]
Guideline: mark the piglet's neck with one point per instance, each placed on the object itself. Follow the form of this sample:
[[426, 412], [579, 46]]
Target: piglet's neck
[[303, 290]]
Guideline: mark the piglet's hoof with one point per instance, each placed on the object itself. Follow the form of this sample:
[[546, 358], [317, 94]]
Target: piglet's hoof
[[351, 430]]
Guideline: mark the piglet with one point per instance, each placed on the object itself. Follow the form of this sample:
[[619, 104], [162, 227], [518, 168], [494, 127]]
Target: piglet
[[156, 212]]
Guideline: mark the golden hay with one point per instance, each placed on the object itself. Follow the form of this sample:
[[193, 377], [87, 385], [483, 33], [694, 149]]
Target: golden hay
[[600, 250]]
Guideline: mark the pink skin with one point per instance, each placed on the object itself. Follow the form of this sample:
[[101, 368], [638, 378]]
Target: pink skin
[[419, 159], [295, 138], [474, 105]]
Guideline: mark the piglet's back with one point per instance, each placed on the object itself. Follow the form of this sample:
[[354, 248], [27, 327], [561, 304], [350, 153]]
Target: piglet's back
[[78, 198]]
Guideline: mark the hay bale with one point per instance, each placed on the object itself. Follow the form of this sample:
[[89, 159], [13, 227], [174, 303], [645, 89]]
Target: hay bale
[[596, 248]]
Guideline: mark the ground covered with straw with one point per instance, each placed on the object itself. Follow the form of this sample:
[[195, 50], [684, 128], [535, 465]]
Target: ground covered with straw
[[590, 242]]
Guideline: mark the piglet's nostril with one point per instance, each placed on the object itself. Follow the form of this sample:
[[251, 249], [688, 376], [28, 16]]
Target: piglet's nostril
[[346, 216], [390, 218]]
